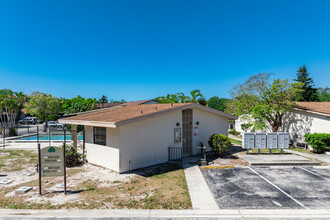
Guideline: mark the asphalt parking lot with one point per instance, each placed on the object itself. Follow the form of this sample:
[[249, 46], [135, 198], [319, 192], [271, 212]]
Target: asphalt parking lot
[[270, 187]]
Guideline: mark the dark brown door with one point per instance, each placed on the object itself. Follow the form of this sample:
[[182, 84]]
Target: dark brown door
[[187, 120]]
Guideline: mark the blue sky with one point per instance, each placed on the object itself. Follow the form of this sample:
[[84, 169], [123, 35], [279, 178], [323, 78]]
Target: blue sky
[[142, 49]]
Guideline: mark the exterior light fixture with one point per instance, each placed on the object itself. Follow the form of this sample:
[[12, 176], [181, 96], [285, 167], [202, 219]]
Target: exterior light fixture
[[197, 123], [177, 124]]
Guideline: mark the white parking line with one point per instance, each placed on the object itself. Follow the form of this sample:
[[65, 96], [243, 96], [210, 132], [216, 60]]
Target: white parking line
[[313, 173], [278, 188]]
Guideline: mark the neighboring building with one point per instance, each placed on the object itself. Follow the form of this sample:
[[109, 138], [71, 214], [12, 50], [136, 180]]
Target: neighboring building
[[140, 102], [106, 105], [128, 137], [306, 117]]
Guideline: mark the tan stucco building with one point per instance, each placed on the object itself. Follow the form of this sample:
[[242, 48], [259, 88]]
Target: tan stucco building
[[129, 137]]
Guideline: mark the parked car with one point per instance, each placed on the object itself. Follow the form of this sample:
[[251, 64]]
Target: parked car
[[55, 124], [28, 120]]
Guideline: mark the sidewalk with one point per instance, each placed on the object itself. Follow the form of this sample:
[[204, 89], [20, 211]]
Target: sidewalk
[[166, 214], [321, 157], [200, 194], [234, 137]]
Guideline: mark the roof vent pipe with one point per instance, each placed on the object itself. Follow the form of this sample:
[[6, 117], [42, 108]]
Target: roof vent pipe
[[141, 111]]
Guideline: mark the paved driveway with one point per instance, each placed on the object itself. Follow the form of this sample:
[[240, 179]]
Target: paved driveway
[[270, 187]]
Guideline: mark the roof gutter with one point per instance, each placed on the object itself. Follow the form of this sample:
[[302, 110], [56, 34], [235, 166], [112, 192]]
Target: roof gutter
[[88, 123], [309, 111]]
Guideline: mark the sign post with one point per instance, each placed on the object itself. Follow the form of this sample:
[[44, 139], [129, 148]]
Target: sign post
[[64, 162], [39, 167], [52, 163]]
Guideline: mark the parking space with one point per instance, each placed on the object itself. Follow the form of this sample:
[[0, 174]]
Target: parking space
[[269, 187]]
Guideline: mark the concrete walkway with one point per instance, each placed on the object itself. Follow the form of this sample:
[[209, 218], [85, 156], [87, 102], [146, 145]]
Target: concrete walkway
[[321, 157], [234, 137], [200, 194], [278, 160], [165, 214]]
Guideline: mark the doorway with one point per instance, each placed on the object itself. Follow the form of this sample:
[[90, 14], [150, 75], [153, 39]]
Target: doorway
[[187, 120]]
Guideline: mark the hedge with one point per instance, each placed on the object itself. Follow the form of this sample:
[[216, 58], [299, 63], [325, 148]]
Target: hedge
[[318, 141], [219, 143]]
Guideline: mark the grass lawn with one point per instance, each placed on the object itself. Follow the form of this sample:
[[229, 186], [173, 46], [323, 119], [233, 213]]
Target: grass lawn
[[233, 141], [16, 160], [267, 151], [158, 187], [302, 150]]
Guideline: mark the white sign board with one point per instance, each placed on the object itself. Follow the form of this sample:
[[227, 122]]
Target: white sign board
[[283, 140], [261, 141], [248, 140]]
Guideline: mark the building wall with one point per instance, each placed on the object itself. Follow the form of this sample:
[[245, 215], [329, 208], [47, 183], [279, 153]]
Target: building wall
[[106, 156], [146, 142], [297, 123], [209, 124]]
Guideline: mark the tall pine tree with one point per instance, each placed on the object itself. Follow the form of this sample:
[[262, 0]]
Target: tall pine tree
[[309, 93]]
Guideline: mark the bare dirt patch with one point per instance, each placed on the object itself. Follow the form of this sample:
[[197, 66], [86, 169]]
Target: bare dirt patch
[[157, 187], [230, 159]]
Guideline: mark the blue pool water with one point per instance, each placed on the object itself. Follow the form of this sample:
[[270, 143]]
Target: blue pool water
[[46, 138]]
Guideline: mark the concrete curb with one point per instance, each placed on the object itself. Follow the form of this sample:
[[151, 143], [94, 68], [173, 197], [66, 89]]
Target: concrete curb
[[290, 163], [158, 214]]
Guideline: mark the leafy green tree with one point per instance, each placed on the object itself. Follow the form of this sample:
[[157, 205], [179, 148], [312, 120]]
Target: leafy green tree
[[162, 99], [44, 106], [103, 99], [195, 95], [184, 98], [171, 98], [217, 103], [175, 98], [324, 94], [308, 93], [202, 101], [11, 104], [78, 104], [264, 100], [117, 101]]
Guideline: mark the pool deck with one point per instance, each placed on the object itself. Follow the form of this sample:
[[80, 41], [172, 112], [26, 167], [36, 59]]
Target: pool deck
[[14, 143], [29, 146]]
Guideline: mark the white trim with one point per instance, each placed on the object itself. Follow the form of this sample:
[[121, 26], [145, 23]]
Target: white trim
[[88, 123]]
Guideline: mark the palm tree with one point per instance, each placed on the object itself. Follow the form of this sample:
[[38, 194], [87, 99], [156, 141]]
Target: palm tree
[[162, 99], [195, 95], [175, 98]]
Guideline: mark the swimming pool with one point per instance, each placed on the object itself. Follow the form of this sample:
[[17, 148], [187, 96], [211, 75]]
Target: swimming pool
[[55, 137]]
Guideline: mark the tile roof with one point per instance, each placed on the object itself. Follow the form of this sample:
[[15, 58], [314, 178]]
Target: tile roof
[[321, 107]]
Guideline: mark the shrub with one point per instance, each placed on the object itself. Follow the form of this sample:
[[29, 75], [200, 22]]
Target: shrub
[[219, 143], [72, 157], [12, 132], [319, 141], [233, 132]]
